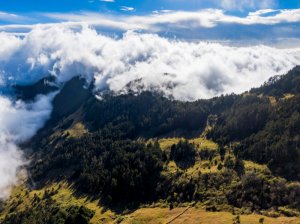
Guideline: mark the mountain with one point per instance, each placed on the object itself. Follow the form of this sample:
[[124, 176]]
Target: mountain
[[122, 153], [281, 85], [29, 92]]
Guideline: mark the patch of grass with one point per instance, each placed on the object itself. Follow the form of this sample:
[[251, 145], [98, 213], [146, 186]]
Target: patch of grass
[[273, 100], [202, 166], [166, 143], [255, 167], [203, 143], [289, 212], [288, 96], [200, 143], [76, 131], [199, 167], [66, 197], [199, 216], [172, 167]]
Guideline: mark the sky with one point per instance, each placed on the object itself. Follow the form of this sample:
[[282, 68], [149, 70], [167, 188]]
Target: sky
[[234, 21], [140, 7], [185, 49]]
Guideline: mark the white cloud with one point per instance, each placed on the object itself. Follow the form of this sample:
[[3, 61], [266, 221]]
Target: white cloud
[[19, 122], [210, 24], [213, 17], [127, 9], [7, 15], [162, 11], [195, 70], [10, 17], [159, 19], [9, 43], [107, 0], [11, 159], [263, 12]]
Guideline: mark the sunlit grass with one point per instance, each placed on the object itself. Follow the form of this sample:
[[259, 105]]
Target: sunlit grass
[[198, 216], [76, 131], [288, 96], [200, 143], [255, 167], [64, 197]]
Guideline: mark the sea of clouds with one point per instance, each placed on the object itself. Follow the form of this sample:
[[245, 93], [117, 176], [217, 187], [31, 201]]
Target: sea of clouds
[[136, 62]]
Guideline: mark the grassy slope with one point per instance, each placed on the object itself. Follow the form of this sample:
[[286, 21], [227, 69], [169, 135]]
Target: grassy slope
[[21, 198], [202, 166], [199, 216], [76, 131], [66, 196]]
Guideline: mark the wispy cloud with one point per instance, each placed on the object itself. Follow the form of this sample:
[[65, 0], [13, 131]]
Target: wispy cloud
[[162, 11], [107, 0], [210, 22], [127, 9], [10, 17], [204, 24], [203, 18], [246, 4]]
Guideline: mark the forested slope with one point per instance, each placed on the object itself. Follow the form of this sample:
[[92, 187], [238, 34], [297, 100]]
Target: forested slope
[[237, 153]]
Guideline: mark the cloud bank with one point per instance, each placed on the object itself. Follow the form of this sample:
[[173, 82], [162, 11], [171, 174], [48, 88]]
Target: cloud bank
[[185, 70], [136, 62]]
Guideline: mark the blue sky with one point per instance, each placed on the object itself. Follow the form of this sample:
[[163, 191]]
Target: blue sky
[[141, 7], [233, 20]]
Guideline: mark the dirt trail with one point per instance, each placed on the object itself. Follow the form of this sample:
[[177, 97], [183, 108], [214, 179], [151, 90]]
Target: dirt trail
[[177, 216]]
